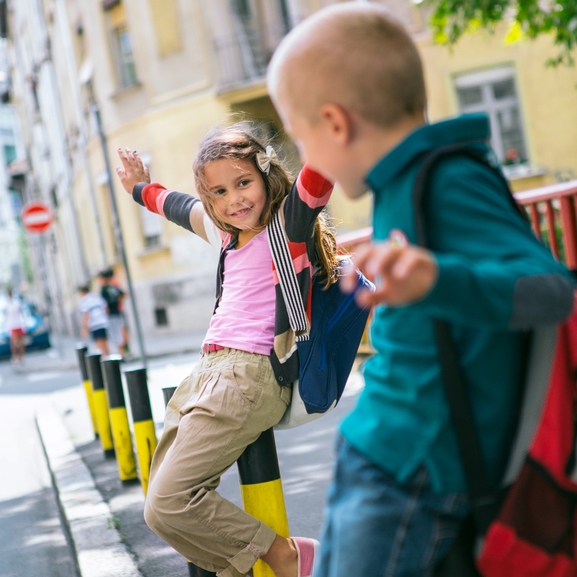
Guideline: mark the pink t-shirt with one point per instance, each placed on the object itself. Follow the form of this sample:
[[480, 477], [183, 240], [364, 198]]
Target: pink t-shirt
[[244, 318]]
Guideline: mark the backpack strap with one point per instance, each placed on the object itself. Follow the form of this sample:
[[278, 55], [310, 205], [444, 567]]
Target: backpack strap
[[287, 278], [483, 498]]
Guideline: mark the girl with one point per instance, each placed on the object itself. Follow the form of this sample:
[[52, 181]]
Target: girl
[[241, 385]]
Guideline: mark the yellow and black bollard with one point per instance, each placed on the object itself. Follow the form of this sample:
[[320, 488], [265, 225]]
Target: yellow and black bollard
[[193, 570], [119, 418], [144, 432], [167, 393], [261, 490], [100, 404], [81, 351]]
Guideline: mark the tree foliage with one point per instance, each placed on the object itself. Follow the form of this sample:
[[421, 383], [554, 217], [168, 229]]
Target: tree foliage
[[527, 19]]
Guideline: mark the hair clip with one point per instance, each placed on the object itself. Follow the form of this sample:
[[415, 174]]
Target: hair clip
[[264, 159]]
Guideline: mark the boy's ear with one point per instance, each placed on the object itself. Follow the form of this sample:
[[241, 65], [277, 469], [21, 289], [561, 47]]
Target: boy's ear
[[338, 121]]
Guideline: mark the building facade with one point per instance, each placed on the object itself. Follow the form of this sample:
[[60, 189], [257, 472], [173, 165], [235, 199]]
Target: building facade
[[162, 72]]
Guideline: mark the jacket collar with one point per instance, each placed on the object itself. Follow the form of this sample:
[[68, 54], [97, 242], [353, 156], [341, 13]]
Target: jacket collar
[[427, 137]]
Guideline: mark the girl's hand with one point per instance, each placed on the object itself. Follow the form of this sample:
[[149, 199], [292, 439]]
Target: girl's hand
[[133, 170], [402, 274]]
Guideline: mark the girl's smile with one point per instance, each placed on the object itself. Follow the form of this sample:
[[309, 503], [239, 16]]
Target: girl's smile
[[240, 194]]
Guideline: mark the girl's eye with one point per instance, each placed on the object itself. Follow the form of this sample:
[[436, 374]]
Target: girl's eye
[[244, 183], [220, 192]]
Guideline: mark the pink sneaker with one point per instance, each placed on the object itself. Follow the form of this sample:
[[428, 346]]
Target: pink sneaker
[[306, 551]]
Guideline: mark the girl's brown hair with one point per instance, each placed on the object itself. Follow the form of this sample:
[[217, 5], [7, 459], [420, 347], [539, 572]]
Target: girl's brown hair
[[242, 140]]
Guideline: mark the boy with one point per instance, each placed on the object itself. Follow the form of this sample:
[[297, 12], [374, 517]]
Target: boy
[[348, 84], [94, 322], [114, 297]]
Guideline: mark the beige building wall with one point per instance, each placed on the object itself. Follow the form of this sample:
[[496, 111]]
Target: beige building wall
[[185, 54], [192, 67], [547, 96]]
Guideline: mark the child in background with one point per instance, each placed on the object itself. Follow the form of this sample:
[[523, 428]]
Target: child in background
[[241, 385], [398, 496], [94, 318], [114, 297], [16, 329]]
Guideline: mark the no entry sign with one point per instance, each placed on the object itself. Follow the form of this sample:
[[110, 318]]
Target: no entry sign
[[36, 217]]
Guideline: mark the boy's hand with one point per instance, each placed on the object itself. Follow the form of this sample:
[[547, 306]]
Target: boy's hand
[[132, 171], [402, 274]]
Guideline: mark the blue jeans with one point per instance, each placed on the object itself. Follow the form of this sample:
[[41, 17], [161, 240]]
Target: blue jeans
[[376, 527]]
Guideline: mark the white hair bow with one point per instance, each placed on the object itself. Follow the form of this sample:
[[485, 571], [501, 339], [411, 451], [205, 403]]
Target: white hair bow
[[264, 159]]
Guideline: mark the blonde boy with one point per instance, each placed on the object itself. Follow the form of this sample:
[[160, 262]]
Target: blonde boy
[[348, 84]]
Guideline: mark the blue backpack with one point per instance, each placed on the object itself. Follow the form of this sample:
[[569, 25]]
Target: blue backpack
[[328, 346]]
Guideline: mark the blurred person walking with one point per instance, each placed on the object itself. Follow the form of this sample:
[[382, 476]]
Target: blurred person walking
[[16, 329], [114, 297], [94, 322]]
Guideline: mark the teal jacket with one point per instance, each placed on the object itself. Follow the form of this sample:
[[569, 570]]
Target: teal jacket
[[495, 281]]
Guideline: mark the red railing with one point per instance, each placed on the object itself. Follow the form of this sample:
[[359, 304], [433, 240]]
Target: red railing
[[553, 217], [552, 210]]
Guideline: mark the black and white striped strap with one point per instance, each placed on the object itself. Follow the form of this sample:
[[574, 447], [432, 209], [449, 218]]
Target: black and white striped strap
[[287, 278]]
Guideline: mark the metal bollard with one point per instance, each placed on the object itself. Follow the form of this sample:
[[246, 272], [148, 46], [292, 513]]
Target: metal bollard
[[81, 351], [167, 393], [119, 418], [144, 432], [193, 570], [261, 490], [100, 404]]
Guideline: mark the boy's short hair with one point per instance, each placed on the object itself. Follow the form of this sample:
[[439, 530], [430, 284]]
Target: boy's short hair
[[107, 273], [354, 54], [83, 289]]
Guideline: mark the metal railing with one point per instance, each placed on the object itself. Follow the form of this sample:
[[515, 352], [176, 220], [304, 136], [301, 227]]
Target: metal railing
[[242, 57], [552, 210]]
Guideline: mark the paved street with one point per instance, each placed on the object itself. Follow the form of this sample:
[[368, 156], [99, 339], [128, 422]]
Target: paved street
[[305, 457], [32, 541]]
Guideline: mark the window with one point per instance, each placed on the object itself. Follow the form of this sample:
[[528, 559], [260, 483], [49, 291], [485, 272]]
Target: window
[[494, 92], [151, 228], [9, 152], [151, 224], [160, 317], [121, 47], [165, 19], [246, 37]]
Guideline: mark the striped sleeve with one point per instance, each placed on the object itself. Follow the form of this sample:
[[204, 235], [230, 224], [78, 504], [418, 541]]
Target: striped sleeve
[[174, 206], [313, 188], [309, 195]]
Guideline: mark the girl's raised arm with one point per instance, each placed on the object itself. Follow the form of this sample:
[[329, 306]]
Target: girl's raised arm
[[182, 209]]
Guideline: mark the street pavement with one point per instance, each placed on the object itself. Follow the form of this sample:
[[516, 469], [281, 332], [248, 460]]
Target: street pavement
[[104, 517]]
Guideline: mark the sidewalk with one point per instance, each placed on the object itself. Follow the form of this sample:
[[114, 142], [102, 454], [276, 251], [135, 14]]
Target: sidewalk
[[62, 354], [104, 516]]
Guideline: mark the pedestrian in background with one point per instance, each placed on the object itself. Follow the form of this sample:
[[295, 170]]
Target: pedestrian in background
[[16, 328], [349, 86], [94, 322], [241, 385], [114, 297]]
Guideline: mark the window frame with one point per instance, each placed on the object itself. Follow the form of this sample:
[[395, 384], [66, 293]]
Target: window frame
[[118, 39], [485, 79]]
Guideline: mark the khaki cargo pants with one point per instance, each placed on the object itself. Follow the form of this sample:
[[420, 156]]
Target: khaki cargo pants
[[230, 398]]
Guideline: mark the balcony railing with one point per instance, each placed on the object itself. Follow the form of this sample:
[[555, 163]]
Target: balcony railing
[[552, 210], [243, 56]]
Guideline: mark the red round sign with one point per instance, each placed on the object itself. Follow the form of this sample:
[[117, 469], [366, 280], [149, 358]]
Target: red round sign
[[36, 217]]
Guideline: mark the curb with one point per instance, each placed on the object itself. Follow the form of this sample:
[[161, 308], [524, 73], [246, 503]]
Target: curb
[[97, 543]]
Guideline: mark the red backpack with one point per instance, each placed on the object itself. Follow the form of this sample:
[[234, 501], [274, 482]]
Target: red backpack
[[535, 532]]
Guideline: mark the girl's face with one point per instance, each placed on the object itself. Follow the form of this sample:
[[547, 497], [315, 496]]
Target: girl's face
[[239, 190]]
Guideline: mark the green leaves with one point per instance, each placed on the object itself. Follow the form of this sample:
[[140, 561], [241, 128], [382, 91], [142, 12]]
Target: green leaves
[[527, 19]]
